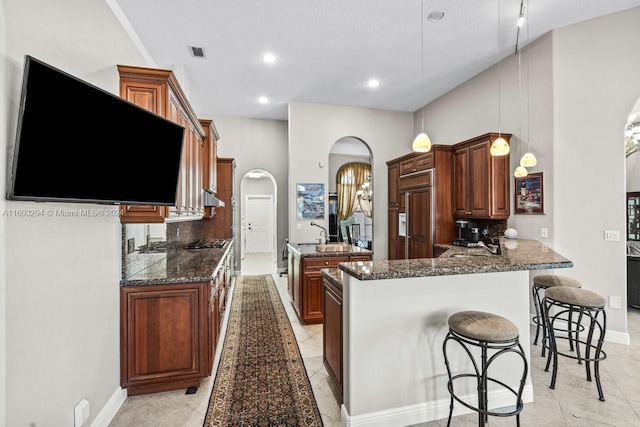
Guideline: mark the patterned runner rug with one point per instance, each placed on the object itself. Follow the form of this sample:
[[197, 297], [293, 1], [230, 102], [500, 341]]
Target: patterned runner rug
[[261, 379]]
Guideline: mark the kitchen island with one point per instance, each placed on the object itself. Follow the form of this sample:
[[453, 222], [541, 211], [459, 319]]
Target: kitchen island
[[394, 321]]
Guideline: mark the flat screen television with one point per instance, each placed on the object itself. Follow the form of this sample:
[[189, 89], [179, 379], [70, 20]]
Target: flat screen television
[[78, 143]]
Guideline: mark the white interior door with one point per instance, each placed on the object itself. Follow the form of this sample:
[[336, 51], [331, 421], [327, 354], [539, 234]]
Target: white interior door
[[259, 223]]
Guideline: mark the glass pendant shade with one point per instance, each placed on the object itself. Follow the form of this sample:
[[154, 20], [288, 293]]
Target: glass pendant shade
[[422, 143], [500, 147], [520, 172], [528, 160]]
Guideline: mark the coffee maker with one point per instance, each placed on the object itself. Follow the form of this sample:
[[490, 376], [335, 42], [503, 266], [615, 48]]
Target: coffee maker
[[468, 233]]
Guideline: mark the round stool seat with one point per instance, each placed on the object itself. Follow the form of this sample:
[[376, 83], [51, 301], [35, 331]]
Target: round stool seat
[[575, 296], [552, 281], [481, 326]]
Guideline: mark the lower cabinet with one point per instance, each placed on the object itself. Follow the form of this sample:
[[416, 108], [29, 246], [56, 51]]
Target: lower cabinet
[[332, 332], [305, 282], [163, 336]]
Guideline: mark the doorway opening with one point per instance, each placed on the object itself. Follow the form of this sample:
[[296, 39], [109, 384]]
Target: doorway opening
[[258, 222]]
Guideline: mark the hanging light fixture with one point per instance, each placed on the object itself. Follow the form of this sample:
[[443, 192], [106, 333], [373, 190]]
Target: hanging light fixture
[[528, 160], [499, 147], [520, 171], [422, 143]]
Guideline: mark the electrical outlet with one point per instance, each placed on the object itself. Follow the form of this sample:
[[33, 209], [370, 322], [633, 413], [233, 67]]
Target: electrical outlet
[[299, 226], [81, 412], [544, 233], [611, 236]]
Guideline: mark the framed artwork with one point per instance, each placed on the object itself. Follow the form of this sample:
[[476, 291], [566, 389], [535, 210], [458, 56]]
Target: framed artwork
[[529, 197], [310, 200]]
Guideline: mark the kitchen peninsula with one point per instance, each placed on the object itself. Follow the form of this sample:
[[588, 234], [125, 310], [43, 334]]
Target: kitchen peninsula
[[394, 321]]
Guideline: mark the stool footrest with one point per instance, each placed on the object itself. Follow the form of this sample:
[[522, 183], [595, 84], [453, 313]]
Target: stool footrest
[[518, 406]]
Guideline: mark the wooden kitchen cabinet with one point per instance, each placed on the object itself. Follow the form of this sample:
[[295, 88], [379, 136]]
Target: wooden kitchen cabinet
[[306, 286], [480, 181], [210, 156], [423, 183], [164, 336], [219, 222], [159, 92], [332, 333]]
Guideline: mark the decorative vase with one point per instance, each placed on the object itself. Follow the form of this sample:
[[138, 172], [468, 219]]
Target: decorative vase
[[510, 233]]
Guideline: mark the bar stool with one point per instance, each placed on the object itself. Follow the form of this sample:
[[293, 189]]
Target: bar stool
[[543, 282], [588, 305], [488, 332]]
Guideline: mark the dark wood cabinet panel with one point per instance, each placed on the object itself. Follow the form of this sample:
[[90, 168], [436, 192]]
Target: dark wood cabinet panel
[[432, 221], [633, 281], [163, 336], [393, 172], [480, 181], [332, 333], [219, 222]]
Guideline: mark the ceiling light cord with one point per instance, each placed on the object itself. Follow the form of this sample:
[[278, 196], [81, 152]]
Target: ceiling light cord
[[422, 143], [528, 160], [499, 147]]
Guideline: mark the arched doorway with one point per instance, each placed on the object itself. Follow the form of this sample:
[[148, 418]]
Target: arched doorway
[[258, 222], [351, 214]]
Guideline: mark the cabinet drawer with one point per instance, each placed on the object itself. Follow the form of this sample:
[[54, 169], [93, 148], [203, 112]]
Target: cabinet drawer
[[359, 258], [424, 162], [324, 262], [422, 179]]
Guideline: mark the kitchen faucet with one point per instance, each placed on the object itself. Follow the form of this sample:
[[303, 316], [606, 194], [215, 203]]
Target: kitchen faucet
[[326, 235], [498, 251]]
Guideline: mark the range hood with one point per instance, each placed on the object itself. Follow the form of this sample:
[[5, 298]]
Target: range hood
[[211, 200]]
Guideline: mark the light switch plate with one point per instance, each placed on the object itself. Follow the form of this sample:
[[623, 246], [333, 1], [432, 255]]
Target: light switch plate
[[611, 236], [615, 302]]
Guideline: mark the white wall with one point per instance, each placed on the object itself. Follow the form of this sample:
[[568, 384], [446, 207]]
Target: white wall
[[583, 84], [314, 128], [595, 86], [3, 237], [61, 274], [256, 144]]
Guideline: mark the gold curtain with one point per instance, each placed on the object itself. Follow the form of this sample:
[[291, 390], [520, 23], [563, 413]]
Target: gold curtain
[[350, 178]]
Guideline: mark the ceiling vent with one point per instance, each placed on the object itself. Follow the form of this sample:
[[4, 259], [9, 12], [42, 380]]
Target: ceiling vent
[[198, 52]]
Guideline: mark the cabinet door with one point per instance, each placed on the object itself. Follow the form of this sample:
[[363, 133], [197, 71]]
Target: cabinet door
[[420, 223], [312, 295], [392, 220], [150, 97], [212, 320], [500, 194], [393, 175], [163, 335], [480, 182], [290, 274], [297, 303], [332, 336], [460, 182]]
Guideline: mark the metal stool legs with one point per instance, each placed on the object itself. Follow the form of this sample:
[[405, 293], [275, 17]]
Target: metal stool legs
[[481, 375], [593, 315]]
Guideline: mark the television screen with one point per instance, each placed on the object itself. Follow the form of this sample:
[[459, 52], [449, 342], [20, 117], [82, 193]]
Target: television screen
[[78, 143]]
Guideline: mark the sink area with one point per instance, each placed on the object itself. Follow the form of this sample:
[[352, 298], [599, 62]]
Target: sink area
[[335, 247]]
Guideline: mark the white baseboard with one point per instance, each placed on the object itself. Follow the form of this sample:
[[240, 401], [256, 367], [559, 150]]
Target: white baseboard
[[428, 411], [109, 411]]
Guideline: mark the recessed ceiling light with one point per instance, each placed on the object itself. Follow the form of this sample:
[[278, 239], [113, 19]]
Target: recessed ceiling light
[[436, 15], [263, 100], [373, 83], [269, 58]]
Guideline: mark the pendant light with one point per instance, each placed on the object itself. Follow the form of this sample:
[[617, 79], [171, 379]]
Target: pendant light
[[520, 171], [422, 143], [528, 160], [499, 147]]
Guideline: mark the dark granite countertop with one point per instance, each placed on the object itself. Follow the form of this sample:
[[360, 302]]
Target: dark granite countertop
[[517, 254], [305, 250], [334, 275], [175, 265]]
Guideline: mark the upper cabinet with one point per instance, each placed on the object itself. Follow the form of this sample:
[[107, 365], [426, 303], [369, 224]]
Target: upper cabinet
[[159, 92], [209, 165], [480, 181]]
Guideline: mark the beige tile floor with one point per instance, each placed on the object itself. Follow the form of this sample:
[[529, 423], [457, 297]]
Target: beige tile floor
[[574, 401]]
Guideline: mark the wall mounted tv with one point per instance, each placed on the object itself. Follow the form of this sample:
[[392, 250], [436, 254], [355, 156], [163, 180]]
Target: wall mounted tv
[[78, 143]]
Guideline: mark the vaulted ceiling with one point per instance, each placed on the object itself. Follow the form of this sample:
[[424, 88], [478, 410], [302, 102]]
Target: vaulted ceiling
[[327, 51]]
